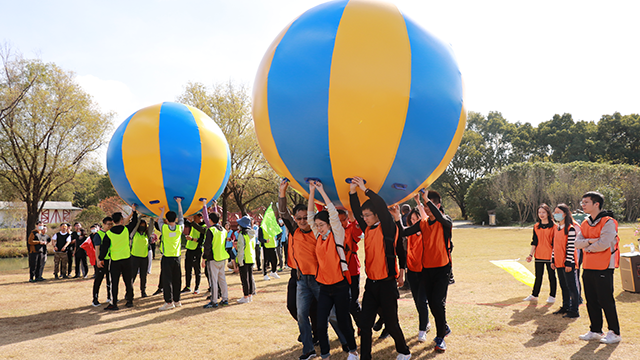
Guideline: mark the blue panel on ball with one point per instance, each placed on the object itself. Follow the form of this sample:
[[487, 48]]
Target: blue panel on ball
[[298, 97], [180, 153], [115, 168], [433, 114]]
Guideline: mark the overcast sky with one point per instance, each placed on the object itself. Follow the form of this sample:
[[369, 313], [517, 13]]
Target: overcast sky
[[528, 60]]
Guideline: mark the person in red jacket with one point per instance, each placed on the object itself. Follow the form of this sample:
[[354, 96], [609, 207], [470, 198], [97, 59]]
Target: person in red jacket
[[541, 249]]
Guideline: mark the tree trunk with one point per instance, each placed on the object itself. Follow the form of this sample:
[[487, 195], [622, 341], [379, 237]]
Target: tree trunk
[[32, 216]]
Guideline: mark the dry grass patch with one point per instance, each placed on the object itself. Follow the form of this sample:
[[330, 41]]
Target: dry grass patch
[[489, 321]]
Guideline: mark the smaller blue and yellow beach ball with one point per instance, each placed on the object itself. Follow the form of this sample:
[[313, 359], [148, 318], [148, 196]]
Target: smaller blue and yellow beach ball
[[165, 151]]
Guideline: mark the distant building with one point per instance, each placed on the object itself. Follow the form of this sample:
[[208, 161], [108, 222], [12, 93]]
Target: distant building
[[13, 214]]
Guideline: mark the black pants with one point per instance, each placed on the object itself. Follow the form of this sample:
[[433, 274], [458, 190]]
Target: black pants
[[380, 294], [436, 284], [598, 290], [553, 286], [258, 255], [280, 259], [246, 276], [419, 294], [171, 278], [81, 262], [354, 303], [140, 265], [153, 250], [192, 261], [334, 295], [292, 287], [270, 257], [101, 273], [69, 262], [123, 267], [36, 263]]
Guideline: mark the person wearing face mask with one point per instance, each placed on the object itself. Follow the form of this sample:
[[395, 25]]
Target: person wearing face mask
[[97, 235], [61, 241], [78, 236], [563, 260], [140, 253], [541, 248]]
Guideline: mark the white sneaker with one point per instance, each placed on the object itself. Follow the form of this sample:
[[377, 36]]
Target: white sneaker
[[274, 275], [353, 356], [422, 336], [267, 278], [428, 328], [166, 306], [591, 336], [403, 357], [530, 298], [551, 300], [177, 304], [244, 300], [196, 291], [611, 338]]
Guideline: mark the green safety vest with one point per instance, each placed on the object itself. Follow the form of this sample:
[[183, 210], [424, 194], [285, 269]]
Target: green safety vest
[[140, 245], [171, 240], [272, 242], [218, 241], [102, 234], [193, 244], [119, 245], [249, 250]]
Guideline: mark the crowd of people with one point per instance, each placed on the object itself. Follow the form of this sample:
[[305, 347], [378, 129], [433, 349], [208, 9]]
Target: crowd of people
[[321, 249]]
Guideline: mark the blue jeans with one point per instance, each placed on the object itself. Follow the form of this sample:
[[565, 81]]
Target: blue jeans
[[307, 290]]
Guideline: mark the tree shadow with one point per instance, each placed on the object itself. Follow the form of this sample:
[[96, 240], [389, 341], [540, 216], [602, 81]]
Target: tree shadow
[[628, 297], [595, 350]]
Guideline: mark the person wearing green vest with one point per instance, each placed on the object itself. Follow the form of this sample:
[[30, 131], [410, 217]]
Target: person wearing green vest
[[115, 244], [140, 253], [194, 253], [97, 235], [170, 263], [246, 257], [215, 259], [270, 257]]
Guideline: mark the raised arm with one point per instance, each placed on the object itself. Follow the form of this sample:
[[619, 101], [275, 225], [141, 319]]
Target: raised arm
[[180, 219], [205, 212], [423, 214], [354, 201], [283, 211], [311, 209]]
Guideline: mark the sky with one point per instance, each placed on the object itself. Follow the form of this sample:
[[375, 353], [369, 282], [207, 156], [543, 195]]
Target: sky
[[527, 60]]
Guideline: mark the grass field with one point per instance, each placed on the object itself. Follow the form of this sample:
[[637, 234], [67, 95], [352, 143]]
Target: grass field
[[54, 320]]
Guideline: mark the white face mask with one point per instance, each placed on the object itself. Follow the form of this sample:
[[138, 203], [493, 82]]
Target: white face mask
[[94, 230], [40, 227], [78, 232]]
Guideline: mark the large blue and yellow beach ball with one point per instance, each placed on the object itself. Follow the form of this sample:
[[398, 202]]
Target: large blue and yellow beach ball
[[168, 150], [356, 88]]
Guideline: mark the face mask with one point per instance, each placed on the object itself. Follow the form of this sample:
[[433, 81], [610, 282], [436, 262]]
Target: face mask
[[78, 232], [558, 217], [94, 230], [40, 227]]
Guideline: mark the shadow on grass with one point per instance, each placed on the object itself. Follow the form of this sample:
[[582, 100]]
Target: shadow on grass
[[388, 352], [549, 325], [504, 303], [628, 297], [595, 350]]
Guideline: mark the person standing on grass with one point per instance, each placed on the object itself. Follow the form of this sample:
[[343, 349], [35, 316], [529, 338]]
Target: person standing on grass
[[140, 253], [116, 244], [97, 235], [352, 235], [563, 260], [45, 251], [215, 258], [541, 248], [246, 258], [436, 228], [61, 241], [381, 290], [37, 245], [194, 253], [78, 236], [258, 244], [270, 257], [599, 240], [170, 263]]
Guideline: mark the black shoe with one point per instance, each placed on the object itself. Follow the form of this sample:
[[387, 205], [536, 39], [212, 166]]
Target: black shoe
[[129, 304], [65, 277], [208, 297], [158, 292], [143, 295], [77, 276], [571, 315], [112, 307], [384, 334], [210, 305], [308, 355], [345, 348], [56, 276], [224, 303], [185, 290], [95, 303], [32, 280], [40, 279], [378, 325], [560, 311]]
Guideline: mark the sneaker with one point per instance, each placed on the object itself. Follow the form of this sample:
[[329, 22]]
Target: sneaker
[[447, 332], [109, 301], [403, 357], [384, 334], [530, 298], [353, 356], [56, 276], [224, 303], [32, 280], [158, 292], [65, 277], [177, 304], [244, 300], [210, 305], [166, 306], [422, 336], [95, 303], [274, 275], [429, 328], [571, 315], [196, 291], [611, 338], [112, 307], [267, 278], [591, 336], [129, 304], [185, 290], [345, 348], [551, 300], [308, 355], [560, 311], [40, 279], [440, 344]]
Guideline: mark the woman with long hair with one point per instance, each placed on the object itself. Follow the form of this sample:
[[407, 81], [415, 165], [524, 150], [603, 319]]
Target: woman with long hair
[[246, 257], [541, 249], [563, 260]]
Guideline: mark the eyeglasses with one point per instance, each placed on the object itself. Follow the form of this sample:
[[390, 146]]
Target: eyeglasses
[[300, 218]]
